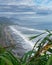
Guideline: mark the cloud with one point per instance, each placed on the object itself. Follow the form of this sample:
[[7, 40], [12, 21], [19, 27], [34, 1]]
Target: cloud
[[20, 13], [42, 9], [17, 2], [43, 2], [38, 1], [27, 2]]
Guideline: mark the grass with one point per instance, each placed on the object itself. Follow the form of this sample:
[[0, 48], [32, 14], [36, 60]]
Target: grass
[[33, 57]]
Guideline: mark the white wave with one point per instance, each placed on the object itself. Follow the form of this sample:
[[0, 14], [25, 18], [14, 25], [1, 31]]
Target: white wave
[[36, 30], [30, 29], [25, 28], [22, 36], [28, 44]]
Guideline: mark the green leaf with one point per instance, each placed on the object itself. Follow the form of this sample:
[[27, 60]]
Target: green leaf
[[50, 50], [48, 31], [26, 56], [49, 62], [8, 62], [33, 37], [13, 59]]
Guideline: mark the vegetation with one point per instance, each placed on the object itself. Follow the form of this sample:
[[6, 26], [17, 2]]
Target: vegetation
[[41, 54]]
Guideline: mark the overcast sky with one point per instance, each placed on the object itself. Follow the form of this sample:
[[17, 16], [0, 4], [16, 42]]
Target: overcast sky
[[43, 4], [47, 3]]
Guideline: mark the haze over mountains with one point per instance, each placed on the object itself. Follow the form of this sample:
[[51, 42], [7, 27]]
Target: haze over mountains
[[23, 13]]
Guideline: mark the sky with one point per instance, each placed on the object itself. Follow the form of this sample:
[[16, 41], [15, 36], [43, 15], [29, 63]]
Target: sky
[[42, 9], [43, 3], [47, 3], [44, 6]]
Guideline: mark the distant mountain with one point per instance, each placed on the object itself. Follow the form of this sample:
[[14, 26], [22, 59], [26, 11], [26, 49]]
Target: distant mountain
[[4, 20]]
